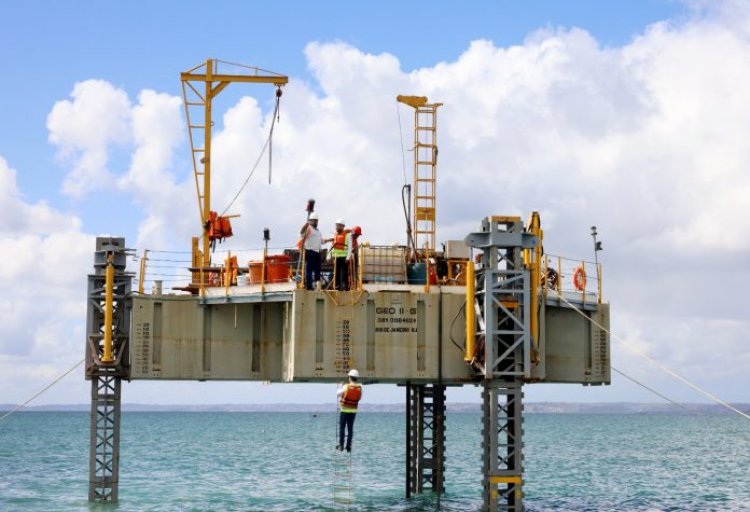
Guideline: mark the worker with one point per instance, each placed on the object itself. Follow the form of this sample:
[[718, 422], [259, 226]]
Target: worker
[[353, 257], [340, 250], [311, 243], [349, 395]]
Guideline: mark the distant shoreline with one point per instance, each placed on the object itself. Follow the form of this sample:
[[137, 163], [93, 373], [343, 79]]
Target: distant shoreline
[[459, 407]]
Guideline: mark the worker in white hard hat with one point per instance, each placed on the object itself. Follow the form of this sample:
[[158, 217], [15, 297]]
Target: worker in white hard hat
[[310, 242], [340, 250], [349, 395]]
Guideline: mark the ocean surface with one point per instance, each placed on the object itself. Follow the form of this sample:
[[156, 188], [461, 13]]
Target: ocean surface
[[284, 461]]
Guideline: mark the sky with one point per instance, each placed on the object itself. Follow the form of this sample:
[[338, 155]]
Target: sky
[[630, 116]]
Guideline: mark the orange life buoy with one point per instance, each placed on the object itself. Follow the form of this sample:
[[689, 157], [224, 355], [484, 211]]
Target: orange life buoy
[[579, 279]]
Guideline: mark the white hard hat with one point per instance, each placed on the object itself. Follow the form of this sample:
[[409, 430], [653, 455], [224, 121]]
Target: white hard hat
[[340, 221], [354, 373], [313, 216]]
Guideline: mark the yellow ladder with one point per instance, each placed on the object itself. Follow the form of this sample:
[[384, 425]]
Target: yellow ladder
[[342, 480], [425, 172]]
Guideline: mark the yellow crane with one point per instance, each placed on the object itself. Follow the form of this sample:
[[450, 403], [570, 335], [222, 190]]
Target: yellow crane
[[424, 212], [200, 85]]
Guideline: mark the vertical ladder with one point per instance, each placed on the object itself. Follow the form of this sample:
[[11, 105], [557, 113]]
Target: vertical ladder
[[342, 480], [425, 177]]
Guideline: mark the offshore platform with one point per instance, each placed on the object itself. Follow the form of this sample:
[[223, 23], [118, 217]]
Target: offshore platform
[[493, 310]]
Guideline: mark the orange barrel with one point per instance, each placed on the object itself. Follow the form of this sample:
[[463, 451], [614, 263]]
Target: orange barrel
[[255, 272], [278, 268]]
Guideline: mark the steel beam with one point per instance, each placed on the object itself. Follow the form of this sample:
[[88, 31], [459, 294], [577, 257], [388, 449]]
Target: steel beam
[[425, 450], [108, 333], [104, 449]]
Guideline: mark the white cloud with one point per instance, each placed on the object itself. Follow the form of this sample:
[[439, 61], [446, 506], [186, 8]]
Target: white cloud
[[84, 128], [44, 290]]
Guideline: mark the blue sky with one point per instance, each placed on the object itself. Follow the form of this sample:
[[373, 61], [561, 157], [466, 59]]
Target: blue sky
[[620, 114]]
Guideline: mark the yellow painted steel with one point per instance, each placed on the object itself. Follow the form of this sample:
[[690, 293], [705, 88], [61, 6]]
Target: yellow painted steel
[[535, 256], [505, 219], [506, 480], [470, 313], [424, 212], [142, 272], [213, 84], [109, 284], [412, 101], [583, 288]]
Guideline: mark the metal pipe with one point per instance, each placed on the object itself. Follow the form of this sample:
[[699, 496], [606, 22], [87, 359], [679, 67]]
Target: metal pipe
[[109, 281], [408, 440], [207, 122], [583, 288], [142, 272], [470, 313]]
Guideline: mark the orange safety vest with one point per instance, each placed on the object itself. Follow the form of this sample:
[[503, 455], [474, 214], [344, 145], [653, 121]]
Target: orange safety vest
[[339, 240], [351, 396]]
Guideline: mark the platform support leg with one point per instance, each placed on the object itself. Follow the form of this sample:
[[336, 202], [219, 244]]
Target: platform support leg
[[104, 450], [502, 446], [425, 450]]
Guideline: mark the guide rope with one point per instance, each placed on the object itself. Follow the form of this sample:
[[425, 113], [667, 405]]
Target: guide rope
[[648, 388], [257, 161], [653, 361], [18, 407]]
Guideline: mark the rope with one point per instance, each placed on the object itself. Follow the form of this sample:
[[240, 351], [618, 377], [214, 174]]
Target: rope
[[43, 390], [653, 361], [648, 388], [401, 139], [257, 161]]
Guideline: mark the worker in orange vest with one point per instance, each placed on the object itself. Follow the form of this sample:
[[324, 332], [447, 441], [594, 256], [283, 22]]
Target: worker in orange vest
[[349, 395], [340, 251]]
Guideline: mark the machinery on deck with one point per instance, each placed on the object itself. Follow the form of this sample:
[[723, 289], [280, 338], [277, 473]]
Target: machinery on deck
[[516, 316]]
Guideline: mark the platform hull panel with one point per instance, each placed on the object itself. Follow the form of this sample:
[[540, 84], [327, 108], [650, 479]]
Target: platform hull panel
[[389, 336], [573, 349]]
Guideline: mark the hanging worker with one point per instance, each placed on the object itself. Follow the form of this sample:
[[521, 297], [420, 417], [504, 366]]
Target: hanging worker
[[353, 257], [349, 395], [340, 250], [311, 240]]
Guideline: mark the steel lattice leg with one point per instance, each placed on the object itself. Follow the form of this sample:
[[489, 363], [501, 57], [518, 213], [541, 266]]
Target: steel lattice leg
[[425, 439], [502, 443], [104, 451]]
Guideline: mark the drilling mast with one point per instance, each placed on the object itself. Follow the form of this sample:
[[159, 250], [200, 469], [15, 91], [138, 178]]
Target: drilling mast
[[424, 212]]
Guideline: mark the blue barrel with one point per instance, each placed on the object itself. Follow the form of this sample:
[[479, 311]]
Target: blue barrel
[[416, 273]]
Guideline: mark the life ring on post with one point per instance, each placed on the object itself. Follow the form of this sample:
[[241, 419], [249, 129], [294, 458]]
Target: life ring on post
[[579, 279]]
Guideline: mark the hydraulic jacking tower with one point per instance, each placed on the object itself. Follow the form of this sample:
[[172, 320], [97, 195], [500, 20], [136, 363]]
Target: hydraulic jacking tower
[[526, 316]]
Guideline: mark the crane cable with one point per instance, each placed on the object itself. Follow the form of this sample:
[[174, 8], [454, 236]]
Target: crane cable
[[18, 407], [653, 361], [257, 161]]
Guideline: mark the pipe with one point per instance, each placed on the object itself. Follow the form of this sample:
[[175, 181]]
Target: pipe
[[470, 313], [109, 281], [142, 273]]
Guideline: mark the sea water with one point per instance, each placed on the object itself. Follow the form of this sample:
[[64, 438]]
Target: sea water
[[284, 461]]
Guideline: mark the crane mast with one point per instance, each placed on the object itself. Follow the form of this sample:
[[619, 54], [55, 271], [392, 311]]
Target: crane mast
[[200, 85]]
